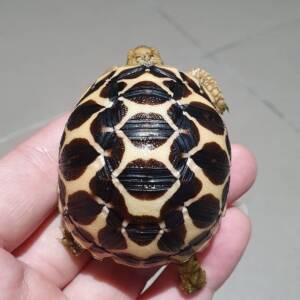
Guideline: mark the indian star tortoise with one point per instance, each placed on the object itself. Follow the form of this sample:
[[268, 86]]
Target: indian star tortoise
[[144, 166]]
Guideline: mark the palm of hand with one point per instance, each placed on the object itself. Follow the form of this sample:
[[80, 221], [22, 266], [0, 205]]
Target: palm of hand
[[35, 265]]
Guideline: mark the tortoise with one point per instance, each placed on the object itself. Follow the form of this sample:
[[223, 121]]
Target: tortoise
[[144, 166]]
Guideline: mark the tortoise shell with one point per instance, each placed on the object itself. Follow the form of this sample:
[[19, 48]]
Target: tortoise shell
[[144, 167]]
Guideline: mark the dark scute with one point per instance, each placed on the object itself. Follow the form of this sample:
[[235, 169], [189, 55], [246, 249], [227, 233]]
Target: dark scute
[[173, 240], [228, 145], [75, 157], [174, 219], [82, 113], [116, 150], [206, 116], [142, 234], [83, 234], [83, 208], [62, 140], [147, 178], [108, 118], [156, 259], [97, 249], [178, 89], [128, 259], [147, 195], [187, 190], [205, 211], [214, 162], [161, 73], [113, 220], [142, 220], [194, 86], [147, 130], [113, 89], [225, 193], [62, 192], [111, 238], [95, 86], [102, 186], [146, 92], [186, 251], [147, 143], [131, 73]]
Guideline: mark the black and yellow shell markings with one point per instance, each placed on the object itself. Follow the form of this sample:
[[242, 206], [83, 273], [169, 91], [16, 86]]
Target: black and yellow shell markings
[[144, 166]]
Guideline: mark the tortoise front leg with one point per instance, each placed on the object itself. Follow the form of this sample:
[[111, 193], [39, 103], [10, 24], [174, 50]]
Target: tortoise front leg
[[69, 242], [211, 87]]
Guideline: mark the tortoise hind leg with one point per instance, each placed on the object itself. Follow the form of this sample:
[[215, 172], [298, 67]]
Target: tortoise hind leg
[[211, 87], [192, 277], [69, 242]]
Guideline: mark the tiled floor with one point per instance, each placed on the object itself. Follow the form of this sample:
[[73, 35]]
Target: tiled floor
[[50, 51]]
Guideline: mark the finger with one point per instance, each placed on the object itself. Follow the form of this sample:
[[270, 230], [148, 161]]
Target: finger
[[243, 172], [45, 253], [107, 280], [28, 178], [218, 260], [18, 281]]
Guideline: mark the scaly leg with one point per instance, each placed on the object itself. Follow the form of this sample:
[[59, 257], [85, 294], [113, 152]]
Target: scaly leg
[[192, 277], [211, 87]]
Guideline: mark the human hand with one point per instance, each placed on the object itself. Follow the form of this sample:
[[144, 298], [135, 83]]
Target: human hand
[[35, 265]]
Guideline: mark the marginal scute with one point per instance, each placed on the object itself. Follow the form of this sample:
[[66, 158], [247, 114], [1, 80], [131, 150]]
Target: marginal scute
[[225, 193], [62, 140], [131, 73], [83, 234], [128, 258], [205, 211], [75, 158], [213, 161], [62, 192], [83, 208], [228, 145], [163, 73]]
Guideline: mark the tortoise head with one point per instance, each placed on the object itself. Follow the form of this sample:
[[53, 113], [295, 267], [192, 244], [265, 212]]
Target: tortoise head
[[143, 55]]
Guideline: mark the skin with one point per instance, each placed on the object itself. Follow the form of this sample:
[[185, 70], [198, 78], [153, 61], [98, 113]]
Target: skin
[[35, 265]]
